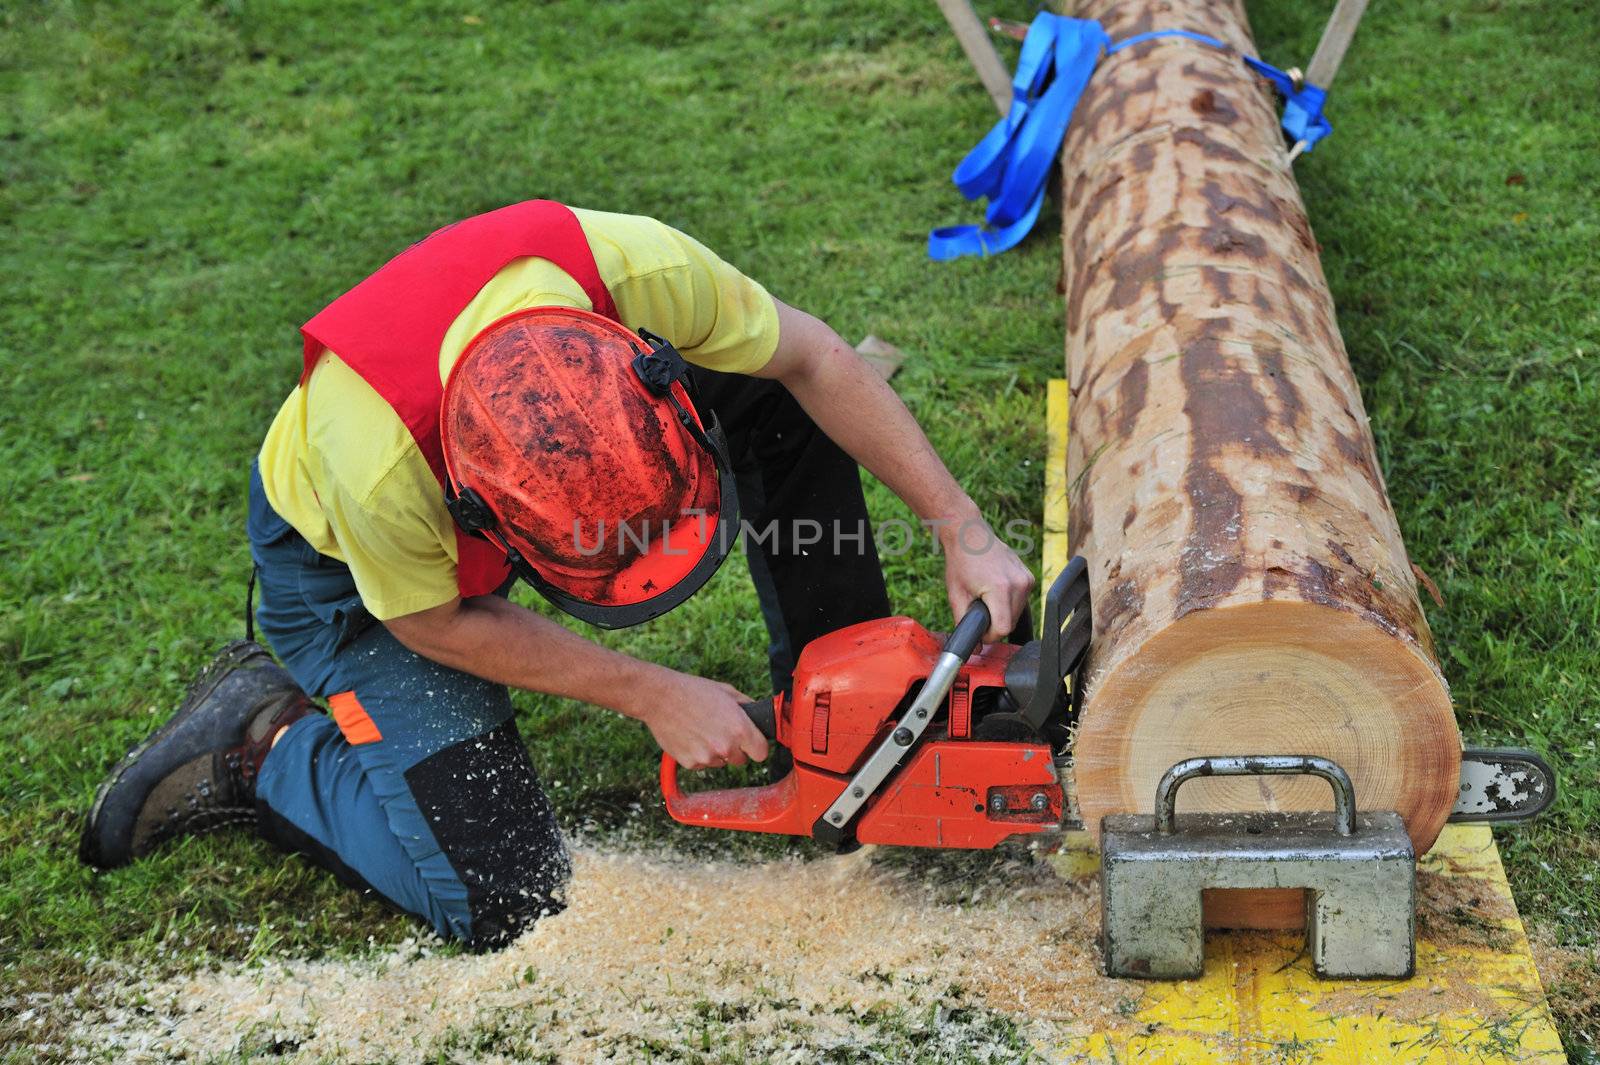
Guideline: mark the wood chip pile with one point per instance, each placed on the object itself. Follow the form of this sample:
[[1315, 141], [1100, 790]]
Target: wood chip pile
[[774, 961]]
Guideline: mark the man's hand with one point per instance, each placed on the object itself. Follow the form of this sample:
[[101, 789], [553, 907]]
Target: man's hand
[[978, 565], [700, 722]]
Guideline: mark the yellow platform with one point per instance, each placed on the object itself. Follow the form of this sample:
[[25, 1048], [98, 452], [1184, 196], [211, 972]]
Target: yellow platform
[[1476, 995]]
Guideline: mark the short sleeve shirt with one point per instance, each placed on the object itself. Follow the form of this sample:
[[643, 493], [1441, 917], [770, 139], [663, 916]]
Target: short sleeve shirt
[[340, 466]]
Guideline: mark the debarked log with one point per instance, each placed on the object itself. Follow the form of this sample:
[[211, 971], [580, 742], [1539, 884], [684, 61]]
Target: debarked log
[[1252, 593]]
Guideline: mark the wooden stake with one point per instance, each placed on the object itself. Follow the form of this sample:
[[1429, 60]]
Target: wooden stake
[[1252, 594], [1335, 42], [980, 51]]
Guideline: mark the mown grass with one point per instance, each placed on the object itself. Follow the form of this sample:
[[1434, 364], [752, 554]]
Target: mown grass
[[182, 183]]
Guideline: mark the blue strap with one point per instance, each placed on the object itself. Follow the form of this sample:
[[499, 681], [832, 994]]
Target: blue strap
[[1302, 108], [1010, 165], [1138, 38]]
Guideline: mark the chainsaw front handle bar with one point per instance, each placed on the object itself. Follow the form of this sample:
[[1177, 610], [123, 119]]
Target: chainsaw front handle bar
[[968, 631]]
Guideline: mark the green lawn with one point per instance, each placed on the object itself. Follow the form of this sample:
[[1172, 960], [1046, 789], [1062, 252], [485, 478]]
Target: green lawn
[[182, 184]]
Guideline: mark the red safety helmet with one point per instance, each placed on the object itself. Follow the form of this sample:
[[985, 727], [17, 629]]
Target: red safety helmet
[[574, 445]]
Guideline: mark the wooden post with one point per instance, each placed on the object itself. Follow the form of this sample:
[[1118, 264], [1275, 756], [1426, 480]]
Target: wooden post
[[1336, 38], [1252, 594], [980, 51]]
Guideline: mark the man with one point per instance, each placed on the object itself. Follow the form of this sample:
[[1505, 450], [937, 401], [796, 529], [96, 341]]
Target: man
[[476, 411]]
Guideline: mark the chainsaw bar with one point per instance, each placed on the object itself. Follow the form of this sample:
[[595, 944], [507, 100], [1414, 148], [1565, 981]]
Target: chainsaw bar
[[1498, 784], [1503, 784]]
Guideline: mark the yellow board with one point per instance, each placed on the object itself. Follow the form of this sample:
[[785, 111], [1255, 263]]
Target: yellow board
[[1476, 995], [1055, 482]]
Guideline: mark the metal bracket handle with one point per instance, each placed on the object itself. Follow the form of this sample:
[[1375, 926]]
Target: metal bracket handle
[[1344, 792]]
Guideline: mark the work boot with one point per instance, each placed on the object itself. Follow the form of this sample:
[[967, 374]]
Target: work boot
[[198, 771]]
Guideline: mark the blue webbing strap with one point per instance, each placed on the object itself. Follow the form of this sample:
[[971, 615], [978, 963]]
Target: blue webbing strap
[[1303, 119], [1010, 165], [1129, 42]]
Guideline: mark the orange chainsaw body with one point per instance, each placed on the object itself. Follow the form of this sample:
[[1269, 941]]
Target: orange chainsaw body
[[850, 689]]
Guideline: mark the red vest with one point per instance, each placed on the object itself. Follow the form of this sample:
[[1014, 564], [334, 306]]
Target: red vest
[[389, 328]]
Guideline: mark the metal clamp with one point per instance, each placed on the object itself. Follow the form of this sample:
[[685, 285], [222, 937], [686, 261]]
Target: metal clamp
[[1358, 871], [1344, 792]]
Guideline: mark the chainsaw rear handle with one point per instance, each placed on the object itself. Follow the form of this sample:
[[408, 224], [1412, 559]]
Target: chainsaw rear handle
[[763, 714], [669, 784]]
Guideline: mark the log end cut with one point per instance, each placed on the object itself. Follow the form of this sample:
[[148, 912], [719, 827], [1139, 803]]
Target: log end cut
[[1272, 678]]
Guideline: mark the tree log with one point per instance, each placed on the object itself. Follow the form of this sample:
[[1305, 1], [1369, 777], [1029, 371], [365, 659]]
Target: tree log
[[1252, 594]]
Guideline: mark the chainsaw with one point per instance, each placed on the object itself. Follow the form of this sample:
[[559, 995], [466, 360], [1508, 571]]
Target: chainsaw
[[899, 739]]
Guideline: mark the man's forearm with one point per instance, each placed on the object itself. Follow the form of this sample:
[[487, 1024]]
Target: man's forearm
[[495, 639], [697, 721], [861, 413]]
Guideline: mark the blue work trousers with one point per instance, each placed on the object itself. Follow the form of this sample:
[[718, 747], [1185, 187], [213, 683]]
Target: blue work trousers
[[417, 786]]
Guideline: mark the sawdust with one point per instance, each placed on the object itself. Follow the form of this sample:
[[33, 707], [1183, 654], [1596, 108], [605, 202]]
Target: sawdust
[[1465, 911], [656, 952], [677, 958], [1451, 989], [1571, 978], [1456, 908]]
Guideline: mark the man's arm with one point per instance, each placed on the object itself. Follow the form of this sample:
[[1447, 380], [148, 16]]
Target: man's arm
[[697, 721], [861, 413]]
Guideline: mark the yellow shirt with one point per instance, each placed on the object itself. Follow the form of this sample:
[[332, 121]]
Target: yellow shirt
[[340, 466]]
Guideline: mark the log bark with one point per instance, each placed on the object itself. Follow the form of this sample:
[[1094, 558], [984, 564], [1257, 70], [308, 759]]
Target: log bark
[[1252, 594]]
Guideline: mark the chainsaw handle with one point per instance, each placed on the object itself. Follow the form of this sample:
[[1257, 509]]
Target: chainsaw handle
[[670, 791], [968, 631], [763, 714]]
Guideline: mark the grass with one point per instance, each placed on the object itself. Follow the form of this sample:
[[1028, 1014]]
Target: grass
[[935, 1036], [182, 183]]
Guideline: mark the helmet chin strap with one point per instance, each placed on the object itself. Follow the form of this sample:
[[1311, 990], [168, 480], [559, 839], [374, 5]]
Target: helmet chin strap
[[659, 368]]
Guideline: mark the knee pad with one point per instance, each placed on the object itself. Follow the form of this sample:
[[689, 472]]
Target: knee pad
[[494, 824]]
